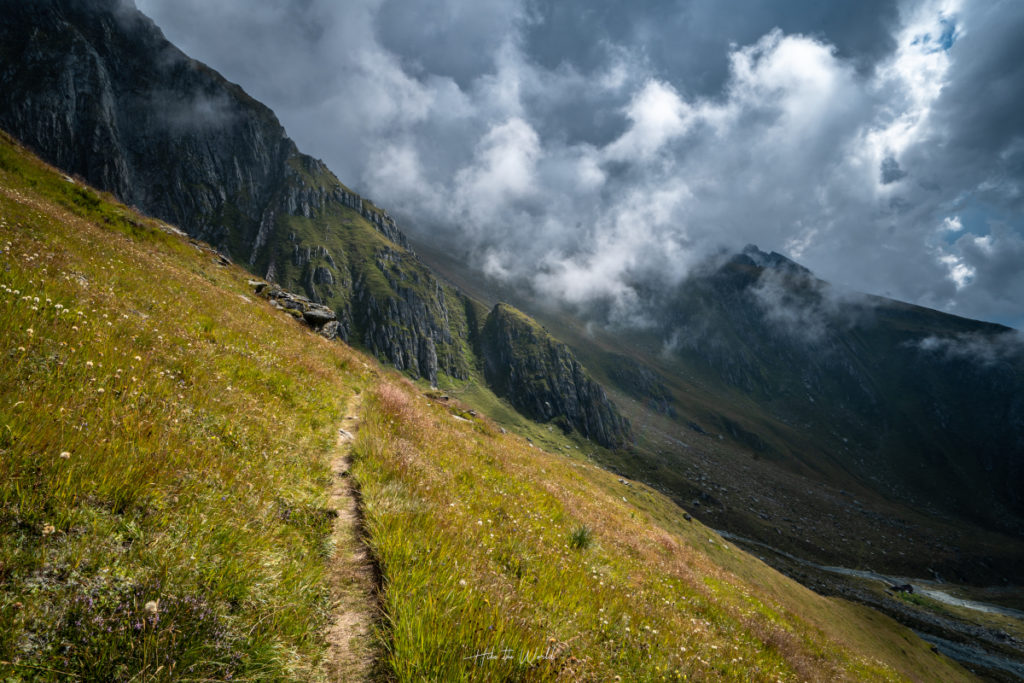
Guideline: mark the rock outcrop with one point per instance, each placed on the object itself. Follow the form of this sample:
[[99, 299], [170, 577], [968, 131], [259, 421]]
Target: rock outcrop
[[540, 377]]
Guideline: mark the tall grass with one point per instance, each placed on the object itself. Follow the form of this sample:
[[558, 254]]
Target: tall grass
[[163, 441], [502, 562]]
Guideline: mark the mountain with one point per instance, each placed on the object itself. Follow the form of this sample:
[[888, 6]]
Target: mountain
[[925, 407], [95, 88], [540, 376], [177, 501], [841, 428]]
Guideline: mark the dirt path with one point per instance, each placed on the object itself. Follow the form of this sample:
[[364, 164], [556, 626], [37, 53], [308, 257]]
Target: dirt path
[[350, 654]]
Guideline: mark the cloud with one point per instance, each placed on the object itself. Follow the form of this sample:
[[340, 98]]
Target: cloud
[[983, 349], [597, 150], [657, 115], [804, 308]]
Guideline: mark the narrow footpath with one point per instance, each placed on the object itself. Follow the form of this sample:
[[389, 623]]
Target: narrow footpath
[[350, 651]]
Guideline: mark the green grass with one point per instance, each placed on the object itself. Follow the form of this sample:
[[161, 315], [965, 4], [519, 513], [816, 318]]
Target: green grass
[[163, 441], [480, 540]]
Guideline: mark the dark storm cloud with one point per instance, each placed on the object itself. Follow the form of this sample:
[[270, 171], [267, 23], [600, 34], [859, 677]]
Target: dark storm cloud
[[592, 149]]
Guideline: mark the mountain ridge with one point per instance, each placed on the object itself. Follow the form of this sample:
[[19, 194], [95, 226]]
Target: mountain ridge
[[96, 89]]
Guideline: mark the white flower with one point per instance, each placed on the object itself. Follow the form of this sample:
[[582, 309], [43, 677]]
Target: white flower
[[65, 454]]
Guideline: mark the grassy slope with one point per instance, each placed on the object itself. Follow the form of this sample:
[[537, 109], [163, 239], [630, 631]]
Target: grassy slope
[[503, 561], [197, 423]]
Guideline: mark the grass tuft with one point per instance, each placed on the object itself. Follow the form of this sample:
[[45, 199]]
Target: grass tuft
[[581, 537]]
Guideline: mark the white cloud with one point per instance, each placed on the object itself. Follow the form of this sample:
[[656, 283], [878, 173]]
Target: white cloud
[[951, 224], [502, 173], [658, 115]]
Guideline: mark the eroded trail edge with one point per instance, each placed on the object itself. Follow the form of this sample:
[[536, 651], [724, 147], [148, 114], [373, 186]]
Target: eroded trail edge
[[351, 576]]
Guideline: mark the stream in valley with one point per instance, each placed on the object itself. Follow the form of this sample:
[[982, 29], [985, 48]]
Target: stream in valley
[[972, 655]]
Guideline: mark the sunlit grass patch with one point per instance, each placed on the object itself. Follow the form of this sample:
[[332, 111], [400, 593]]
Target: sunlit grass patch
[[501, 562], [163, 447]]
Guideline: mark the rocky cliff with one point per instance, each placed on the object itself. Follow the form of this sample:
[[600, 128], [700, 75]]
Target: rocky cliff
[[542, 379], [95, 89]]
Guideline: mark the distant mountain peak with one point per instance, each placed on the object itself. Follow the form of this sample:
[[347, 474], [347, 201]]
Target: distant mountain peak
[[773, 260]]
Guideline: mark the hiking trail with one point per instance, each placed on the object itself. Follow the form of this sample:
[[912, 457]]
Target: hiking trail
[[350, 651]]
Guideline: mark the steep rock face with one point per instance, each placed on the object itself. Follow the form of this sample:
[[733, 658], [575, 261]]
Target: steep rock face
[[541, 377], [95, 88]]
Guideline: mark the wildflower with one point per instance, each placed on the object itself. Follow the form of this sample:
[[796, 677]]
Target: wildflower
[[152, 607], [48, 529], [30, 331], [88, 363], [138, 358], [65, 455], [100, 390], [462, 582]]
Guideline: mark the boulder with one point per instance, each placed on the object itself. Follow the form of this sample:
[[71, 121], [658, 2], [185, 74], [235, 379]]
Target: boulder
[[318, 316]]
